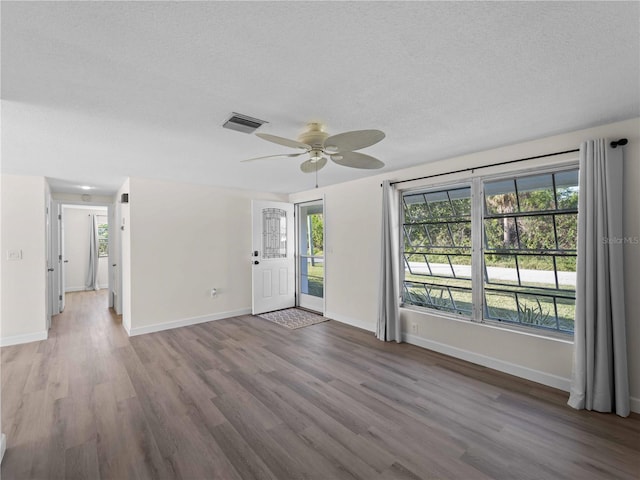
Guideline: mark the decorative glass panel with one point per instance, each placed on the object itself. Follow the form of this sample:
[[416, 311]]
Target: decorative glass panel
[[274, 233]]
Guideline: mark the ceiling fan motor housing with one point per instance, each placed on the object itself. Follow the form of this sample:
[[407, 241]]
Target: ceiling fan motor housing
[[314, 136]]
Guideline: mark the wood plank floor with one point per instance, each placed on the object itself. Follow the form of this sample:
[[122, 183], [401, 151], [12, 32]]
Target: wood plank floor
[[244, 398]]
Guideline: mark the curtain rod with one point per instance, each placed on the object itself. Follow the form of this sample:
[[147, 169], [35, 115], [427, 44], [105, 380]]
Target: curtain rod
[[614, 144]]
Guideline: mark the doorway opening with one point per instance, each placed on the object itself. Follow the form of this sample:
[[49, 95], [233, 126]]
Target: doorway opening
[[310, 247], [83, 249]]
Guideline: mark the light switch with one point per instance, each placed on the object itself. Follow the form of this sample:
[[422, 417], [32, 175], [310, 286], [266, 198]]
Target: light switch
[[14, 254]]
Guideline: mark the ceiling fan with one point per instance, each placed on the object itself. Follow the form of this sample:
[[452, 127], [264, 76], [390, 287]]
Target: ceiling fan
[[317, 143]]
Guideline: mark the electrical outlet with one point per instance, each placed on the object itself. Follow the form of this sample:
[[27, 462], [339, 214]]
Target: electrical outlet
[[414, 328], [14, 254]]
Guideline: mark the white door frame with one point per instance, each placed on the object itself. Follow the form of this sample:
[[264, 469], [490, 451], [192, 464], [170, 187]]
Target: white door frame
[[56, 257], [61, 255], [58, 232], [310, 302], [50, 263]]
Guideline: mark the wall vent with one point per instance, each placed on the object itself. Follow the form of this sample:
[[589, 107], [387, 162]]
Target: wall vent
[[243, 123]]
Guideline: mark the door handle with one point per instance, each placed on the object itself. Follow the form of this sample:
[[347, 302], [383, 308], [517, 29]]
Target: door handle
[[66, 261], [49, 269], [256, 262]]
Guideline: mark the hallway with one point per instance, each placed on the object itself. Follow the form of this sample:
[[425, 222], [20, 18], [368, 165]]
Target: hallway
[[59, 395]]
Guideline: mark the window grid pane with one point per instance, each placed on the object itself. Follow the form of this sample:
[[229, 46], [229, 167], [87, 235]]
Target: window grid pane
[[437, 250], [530, 250]]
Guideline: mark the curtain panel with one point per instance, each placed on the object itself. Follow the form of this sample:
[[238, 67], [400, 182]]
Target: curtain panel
[[388, 326], [92, 273], [600, 377]]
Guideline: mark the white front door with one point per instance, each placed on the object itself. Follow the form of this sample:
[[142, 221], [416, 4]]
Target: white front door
[[272, 259]]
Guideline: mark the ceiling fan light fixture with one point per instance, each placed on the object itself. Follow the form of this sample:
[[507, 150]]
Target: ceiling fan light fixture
[[336, 157], [315, 155]]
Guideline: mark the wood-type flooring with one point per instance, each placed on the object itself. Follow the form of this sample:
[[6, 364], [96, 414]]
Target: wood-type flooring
[[244, 398]]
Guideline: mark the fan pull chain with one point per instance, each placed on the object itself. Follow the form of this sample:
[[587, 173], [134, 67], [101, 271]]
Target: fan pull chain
[[316, 175]]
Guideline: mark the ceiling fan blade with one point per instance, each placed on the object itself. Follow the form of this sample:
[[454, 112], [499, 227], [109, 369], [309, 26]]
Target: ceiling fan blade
[[349, 141], [357, 160], [274, 156], [310, 166], [283, 141]]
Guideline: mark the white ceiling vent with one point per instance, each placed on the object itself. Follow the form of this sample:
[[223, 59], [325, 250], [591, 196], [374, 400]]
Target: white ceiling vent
[[243, 123]]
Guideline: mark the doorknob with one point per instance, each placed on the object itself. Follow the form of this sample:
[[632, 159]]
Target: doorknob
[[66, 261], [256, 262], [49, 269]]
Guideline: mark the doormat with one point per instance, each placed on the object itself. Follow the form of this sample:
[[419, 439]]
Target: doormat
[[293, 318]]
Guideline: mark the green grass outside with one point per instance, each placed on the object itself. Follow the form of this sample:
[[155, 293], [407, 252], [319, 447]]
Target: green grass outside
[[315, 277]]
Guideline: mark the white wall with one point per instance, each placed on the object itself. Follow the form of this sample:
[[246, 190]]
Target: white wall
[[23, 281], [185, 240], [355, 207], [76, 198], [123, 257], [77, 222]]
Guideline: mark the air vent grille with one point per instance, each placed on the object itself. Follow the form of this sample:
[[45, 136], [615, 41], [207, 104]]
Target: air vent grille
[[243, 123]]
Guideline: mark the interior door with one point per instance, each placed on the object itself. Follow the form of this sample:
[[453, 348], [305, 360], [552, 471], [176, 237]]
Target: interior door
[[311, 279], [112, 265], [61, 255], [273, 262], [50, 262]]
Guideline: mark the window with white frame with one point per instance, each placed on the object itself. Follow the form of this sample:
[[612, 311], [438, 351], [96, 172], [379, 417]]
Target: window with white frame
[[527, 227], [103, 239], [437, 249]]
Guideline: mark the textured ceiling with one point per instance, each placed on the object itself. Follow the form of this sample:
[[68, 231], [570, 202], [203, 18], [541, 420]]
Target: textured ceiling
[[93, 92]]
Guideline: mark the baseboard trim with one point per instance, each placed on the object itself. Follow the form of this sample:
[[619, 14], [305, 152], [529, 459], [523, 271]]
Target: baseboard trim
[[20, 339], [350, 321], [544, 378], [75, 289], [83, 289], [185, 322], [3, 446]]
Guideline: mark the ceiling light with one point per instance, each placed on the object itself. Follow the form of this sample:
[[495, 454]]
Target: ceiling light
[[331, 149], [315, 155], [85, 187]]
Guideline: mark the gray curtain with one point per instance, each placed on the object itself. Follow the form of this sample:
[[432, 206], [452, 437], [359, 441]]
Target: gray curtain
[[600, 378], [92, 274], [388, 327]]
